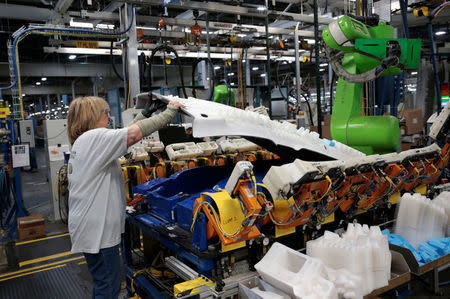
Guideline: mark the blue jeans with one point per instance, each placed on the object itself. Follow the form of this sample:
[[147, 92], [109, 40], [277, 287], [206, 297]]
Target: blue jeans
[[104, 267]]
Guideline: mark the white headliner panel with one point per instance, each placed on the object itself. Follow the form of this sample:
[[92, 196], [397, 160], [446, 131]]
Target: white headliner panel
[[214, 119]]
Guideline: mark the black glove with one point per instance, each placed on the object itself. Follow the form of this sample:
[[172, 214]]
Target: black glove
[[152, 105]]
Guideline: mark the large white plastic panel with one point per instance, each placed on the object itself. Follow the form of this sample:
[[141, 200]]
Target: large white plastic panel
[[214, 119]]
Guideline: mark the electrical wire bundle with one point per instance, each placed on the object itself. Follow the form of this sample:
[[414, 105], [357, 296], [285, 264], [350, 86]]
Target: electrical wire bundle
[[63, 193], [6, 200]]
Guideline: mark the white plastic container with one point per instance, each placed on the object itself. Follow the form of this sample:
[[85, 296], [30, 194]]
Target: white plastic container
[[208, 148], [183, 151]]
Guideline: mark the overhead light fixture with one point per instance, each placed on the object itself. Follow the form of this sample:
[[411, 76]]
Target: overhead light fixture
[[243, 60], [323, 64], [232, 83], [43, 79], [23, 94], [230, 74], [263, 75], [72, 57], [322, 70], [440, 32], [255, 68], [53, 109], [414, 73], [38, 83], [146, 28], [217, 67], [261, 8], [105, 26], [242, 35], [73, 23]]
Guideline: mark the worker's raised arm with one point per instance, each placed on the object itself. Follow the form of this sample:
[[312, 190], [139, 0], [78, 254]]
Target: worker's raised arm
[[146, 126]]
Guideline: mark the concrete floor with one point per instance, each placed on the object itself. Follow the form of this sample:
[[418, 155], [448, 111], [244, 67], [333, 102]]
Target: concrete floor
[[50, 255]]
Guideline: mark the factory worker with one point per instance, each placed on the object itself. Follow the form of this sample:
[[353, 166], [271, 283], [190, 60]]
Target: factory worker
[[96, 188]]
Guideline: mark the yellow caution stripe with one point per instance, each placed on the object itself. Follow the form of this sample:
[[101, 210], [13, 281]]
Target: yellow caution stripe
[[42, 266], [42, 239], [32, 272], [45, 258]]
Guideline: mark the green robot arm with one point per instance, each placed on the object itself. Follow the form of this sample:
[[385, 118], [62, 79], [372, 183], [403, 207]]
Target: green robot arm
[[358, 54]]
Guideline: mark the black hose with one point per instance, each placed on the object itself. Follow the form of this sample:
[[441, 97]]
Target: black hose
[[212, 78], [277, 78], [333, 77], [309, 108], [112, 62], [180, 69]]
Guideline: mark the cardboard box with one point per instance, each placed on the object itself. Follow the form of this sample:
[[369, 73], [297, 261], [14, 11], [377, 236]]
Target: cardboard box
[[406, 146], [413, 122], [326, 131], [31, 227], [326, 120]]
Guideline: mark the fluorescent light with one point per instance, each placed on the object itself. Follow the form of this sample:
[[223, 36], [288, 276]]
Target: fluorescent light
[[146, 28], [323, 64], [105, 26], [230, 74], [23, 94], [232, 84], [217, 67], [263, 75], [261, 8], [80, 24], [242, 35], [72, 57], [414, 73], [440, 32], [243, 60], [59, 108], [38, 83], [255, 68], [53, 109], [322, 70], [43, 79]]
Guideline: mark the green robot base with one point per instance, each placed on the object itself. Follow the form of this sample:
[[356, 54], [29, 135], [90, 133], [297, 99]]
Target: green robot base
[[359, 54]]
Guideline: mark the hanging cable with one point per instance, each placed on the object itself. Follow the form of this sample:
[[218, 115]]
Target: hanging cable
[[180, 68], [309, 108], [112, 61]]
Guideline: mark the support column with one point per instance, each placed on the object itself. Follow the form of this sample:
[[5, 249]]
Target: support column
[[316, 50], [131, 58]]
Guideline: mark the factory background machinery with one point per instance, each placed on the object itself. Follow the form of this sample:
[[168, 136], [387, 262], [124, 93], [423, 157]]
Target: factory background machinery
[[301, 118]]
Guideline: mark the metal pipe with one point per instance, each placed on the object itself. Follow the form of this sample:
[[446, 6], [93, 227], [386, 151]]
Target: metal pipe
[[298, 79], [269, 87], [207, 38], [437, 83], [316, 50]]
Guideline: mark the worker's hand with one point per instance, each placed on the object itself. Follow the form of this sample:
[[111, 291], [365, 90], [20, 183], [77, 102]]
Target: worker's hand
[[153, 104], [176, 104]]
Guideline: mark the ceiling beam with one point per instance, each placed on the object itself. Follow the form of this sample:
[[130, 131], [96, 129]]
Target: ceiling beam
[[27, 13], [216, 7], [29, 90], [61, 70], [63, 5]]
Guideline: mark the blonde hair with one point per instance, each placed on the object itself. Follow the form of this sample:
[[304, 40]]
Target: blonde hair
[[84, 115]]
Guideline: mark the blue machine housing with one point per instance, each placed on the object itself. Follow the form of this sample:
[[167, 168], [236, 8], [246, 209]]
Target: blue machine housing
[[172, 199]]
